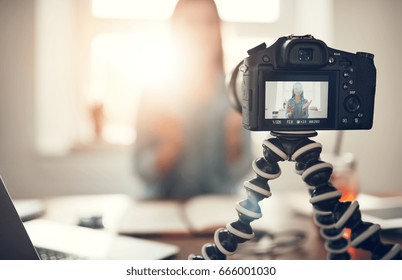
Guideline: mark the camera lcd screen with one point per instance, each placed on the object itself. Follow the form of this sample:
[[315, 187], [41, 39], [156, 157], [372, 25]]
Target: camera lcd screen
[[296, 103]]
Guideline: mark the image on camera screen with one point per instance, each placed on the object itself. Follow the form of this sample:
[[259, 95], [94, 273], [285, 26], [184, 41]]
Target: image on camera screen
[[297, 102]]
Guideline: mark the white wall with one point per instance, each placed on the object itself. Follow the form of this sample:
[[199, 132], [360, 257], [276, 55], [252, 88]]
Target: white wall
[[16, 92], [55, 76], [32, 65], [375, 26]]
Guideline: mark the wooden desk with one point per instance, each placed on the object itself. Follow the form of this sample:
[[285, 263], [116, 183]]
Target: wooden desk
[[68, 210], [311, 249]]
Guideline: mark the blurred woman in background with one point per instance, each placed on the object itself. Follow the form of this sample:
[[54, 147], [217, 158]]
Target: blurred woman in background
[[189, 139]]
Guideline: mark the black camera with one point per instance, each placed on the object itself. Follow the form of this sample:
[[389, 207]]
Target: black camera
[[299, 83]]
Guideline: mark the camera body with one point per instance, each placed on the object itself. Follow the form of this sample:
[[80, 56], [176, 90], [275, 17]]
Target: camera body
[[299, 83]]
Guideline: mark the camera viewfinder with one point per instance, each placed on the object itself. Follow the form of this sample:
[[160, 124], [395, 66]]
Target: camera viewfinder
[[305, 54]]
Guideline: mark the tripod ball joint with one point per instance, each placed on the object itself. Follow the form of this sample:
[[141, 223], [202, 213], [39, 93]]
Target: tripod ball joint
[[317, 172], [367, 237], [325, 197]]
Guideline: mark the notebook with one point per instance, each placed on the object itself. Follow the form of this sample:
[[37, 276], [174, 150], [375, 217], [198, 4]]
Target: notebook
[[199, 215], [23, 241]]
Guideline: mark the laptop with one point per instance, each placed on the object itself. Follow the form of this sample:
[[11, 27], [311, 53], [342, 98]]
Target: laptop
[[43, 239]]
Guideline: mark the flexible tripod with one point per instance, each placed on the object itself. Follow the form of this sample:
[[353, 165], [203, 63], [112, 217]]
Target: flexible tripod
[[331, 215]]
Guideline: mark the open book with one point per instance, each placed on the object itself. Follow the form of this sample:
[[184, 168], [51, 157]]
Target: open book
[[198, 215]]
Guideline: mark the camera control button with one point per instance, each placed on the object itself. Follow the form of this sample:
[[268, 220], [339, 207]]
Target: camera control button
[[346, 74], [352, 103], [356, 120], [266, 58], [345, 86], [344, 120]]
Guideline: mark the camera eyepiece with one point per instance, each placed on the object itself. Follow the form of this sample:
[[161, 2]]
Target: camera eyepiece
[[305, 54]]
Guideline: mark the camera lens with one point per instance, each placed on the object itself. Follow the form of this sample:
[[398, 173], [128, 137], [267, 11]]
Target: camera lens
[[305, 54]]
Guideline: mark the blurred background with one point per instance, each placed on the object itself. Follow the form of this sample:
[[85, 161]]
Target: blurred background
[[72, 72]]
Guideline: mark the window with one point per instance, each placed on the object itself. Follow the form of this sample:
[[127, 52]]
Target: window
[[262, 11], [123, 63]]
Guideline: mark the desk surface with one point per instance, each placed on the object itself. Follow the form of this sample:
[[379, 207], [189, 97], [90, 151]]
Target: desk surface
[[66, 210]]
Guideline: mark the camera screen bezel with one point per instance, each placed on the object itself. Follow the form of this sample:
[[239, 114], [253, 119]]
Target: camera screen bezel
[[268, 75]]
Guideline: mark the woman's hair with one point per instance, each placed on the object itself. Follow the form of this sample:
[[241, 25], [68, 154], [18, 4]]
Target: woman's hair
[[181, 5], [180, 12], [293, 89]]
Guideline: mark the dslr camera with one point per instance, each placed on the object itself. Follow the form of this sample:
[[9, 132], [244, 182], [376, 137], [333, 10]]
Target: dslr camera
[[299, 83]]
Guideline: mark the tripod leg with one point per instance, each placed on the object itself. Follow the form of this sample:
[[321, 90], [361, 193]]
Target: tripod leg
[[227, 239], [333, 216]]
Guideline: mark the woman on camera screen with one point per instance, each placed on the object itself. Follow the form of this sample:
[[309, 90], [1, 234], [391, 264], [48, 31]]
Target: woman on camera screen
[[297, 106]]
